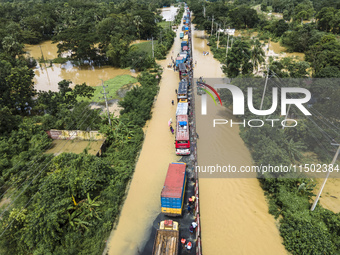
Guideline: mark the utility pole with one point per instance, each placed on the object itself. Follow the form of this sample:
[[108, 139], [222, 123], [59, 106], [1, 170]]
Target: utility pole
[[265, 84], [283, 126], [226, 52], [153, 53], [216, 29], [107, 106], [218, 38], [324, 182], [212, 25], [204, 11]]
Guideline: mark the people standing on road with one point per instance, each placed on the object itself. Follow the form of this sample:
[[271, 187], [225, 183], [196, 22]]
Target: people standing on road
[[183, 241], [191, 229], [172, 102], [176, 91], [194, 224], [189, 208], [171, 129], [189, 246]]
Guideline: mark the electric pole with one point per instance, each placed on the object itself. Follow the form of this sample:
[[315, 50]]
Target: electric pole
[[153, 53], [218, 38], [265, 84], [226, 53], [107, 106], [212, 25], [324, 182], [216, 29]]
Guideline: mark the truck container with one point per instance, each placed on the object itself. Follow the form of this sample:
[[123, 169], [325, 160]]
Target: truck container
[[184, 55], [181, 35], [185, 38], [179, 60], [185, 48], [172, 195], [182, 109], [183, 74], [184, 43], [182, 135], [182, 92], [167, 238]]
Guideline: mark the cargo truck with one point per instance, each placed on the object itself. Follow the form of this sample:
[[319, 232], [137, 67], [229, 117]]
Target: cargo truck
[[172, 195], [179, 60], [183, 74], [182, 135], [167, 238], [182, 92], [181, 35], [182, 109]]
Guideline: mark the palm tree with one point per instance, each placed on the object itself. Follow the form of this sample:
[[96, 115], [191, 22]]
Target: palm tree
[[137, 20], [257, 54], [293, 149]]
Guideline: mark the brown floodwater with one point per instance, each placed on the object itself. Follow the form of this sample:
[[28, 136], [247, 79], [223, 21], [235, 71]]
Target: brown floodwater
[[278, 49], [330, 197], [234, 211], [47, 77], [142, 204]]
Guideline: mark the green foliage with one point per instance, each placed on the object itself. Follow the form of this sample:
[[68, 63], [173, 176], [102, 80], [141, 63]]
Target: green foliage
[[238, 60], [138, 101]]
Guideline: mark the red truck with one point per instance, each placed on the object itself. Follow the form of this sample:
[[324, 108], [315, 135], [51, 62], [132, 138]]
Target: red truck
[[182, 135]]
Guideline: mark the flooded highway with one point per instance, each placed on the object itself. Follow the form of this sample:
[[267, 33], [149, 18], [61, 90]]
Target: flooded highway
[[234, 212]]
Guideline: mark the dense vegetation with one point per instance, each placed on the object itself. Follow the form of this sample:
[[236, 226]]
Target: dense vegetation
[[67, 204], [290, 195]]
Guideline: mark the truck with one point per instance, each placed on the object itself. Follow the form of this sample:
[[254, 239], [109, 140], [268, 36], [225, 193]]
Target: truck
[[182, 71], [181, 35], [182, 135], [185, 38], [167, 238], [172, 195], [184, 43], [182, 109], [184, 55], [182, 92], [179, 60]]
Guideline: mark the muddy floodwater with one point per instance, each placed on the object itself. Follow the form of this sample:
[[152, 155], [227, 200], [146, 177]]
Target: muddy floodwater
[[47, 76], [142, 204], [234, 212]]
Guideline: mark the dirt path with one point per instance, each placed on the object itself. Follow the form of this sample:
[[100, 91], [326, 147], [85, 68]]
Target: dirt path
[[234, 213], [142, 204]]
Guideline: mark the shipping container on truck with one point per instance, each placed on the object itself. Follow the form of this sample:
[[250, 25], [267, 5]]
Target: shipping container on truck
[[182, 135], [172, 195], [181, 35], [182, 109], [184, 43], [179, 60], [183, 74], [167, 238], [184, 55], [182, 92]]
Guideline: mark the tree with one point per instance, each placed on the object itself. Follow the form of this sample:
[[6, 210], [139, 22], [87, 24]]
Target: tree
[[20, 89], [257, 55], [238, 60], [325, 18]]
